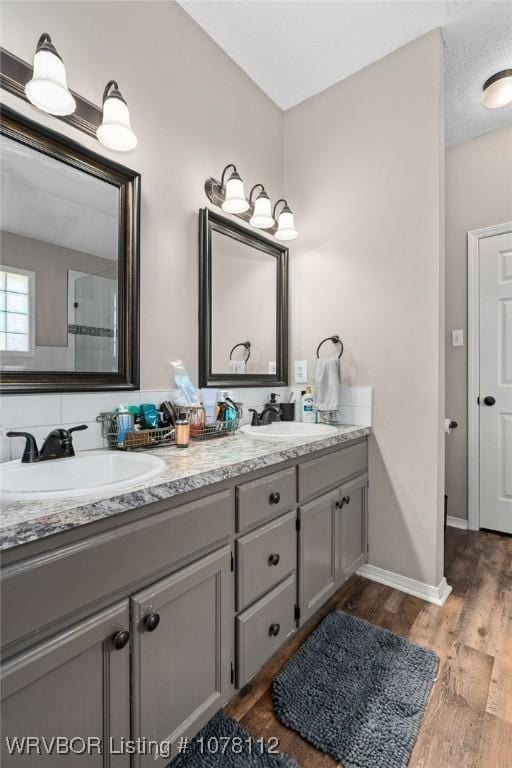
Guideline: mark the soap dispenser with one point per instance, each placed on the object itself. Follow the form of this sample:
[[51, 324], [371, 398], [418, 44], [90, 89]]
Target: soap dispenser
[[273, 401]]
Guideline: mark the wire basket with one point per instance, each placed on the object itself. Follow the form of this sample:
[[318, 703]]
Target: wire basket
[[135, 440], [144, 439]]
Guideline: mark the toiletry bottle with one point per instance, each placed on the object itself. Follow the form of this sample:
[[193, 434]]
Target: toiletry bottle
[[124, 423], [273, 401], [182, 430], [306, 406], [149, 415]]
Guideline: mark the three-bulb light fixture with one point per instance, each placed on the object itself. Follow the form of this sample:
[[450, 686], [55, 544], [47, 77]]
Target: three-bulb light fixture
[[48, 91], [263, 216]]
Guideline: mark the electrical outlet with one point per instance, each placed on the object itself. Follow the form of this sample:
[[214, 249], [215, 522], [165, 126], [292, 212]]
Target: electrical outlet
[[458, 338], [301, 371], [272, 367]]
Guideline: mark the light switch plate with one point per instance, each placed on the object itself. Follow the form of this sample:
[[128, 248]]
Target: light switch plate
[[301, 371], [458, 338]]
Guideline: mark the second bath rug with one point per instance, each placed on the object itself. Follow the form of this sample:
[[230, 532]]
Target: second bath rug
[[356, 692]]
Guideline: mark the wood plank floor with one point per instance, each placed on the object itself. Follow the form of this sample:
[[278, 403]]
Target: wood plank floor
[[468, 723]]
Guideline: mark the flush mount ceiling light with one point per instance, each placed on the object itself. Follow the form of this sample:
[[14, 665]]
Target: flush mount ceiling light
[[497, 90], [262, 214], [234, 196], [48, 89], [285, 224], [115, 131]]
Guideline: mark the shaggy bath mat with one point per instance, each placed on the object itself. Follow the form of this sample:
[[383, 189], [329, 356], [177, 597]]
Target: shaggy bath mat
[[223, 743], [357, 692]]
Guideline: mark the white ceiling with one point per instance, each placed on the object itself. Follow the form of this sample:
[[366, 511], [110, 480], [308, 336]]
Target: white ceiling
[[47, 200], [294, 49]]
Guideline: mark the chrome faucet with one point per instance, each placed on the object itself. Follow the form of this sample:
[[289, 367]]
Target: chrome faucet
[[58, 445], [263, 418]]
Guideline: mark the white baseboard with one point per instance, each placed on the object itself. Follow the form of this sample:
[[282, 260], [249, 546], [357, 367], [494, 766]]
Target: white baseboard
[[457, 522], [436, 595]]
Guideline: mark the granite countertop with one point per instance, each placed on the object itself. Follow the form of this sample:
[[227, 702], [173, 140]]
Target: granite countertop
[[202, 464]]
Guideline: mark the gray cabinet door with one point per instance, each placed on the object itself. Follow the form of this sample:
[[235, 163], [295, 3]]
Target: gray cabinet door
[[73, 685], [181, 669], [318, 553], [352, 527]]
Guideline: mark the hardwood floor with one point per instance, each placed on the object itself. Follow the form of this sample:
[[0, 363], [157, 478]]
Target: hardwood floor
[[468, 722]]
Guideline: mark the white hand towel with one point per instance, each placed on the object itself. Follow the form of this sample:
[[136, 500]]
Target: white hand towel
[[327, 384]]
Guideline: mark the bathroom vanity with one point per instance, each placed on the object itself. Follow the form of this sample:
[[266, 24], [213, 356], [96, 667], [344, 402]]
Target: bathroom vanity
[[140, 616]]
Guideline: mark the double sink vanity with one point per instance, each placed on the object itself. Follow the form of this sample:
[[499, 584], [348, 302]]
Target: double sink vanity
[[139, 615], [141, 590]]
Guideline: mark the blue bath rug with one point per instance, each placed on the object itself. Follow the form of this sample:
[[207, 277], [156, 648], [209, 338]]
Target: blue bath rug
[[356, 692], [223, 743]]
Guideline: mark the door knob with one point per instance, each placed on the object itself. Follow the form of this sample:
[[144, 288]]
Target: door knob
[[274, 630], [151, 621], [489, 400], [274, 498], [274, 559], [120, 639]]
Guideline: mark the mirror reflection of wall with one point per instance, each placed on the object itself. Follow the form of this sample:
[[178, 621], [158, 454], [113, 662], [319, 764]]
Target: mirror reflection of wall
[[59, 265], [244, 306]]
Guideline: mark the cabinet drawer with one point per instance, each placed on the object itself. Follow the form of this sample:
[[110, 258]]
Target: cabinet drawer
[[37, 592], [265, 557], [265, 498], [261, 629], [321, 474]]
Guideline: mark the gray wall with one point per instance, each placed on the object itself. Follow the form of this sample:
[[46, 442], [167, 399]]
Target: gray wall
[[193, 110], [478, 194], [364, 168]]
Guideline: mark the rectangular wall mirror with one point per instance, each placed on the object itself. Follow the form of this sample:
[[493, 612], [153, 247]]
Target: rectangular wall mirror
[[243, 325], [69, 283]]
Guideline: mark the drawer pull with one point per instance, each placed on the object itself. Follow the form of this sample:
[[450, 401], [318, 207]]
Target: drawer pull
[[274, 559], [151, 621], [274, 630], [274, 498], [120, 639]]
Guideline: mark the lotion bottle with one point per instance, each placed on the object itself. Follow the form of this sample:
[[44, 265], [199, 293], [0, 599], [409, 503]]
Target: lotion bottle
[[306, 406]]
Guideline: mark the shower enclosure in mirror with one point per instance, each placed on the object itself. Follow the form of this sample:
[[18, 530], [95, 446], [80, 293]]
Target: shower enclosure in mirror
[[243, 327], [68, 265]]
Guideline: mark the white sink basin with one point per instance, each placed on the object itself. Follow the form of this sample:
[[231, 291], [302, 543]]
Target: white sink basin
[[286, 430], [88, 473]]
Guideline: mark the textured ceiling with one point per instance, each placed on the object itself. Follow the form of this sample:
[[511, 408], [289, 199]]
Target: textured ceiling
[[294, 49], [476, 46]]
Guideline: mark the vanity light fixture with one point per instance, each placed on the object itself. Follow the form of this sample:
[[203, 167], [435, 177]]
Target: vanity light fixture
[[285, 223], [48, 89], [234, 197], [497, 90], [115, 131], [262, 214]]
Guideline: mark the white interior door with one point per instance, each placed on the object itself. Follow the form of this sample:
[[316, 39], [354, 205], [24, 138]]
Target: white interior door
[[496, 382]]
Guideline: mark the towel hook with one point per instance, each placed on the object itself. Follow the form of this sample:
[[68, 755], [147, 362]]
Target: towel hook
[[335, 340], [246, 344]]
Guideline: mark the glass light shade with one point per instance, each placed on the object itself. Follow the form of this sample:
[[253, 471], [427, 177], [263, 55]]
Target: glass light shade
[[48, 88], [498, 90], [262, 216], [235, 200], [115, 131], [286, 226]]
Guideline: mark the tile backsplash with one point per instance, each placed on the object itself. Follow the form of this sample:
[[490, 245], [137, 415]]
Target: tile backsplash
[[39, 414]]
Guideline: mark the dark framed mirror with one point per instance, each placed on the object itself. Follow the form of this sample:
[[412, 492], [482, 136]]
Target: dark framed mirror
[[243, 306], [69, 264]]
